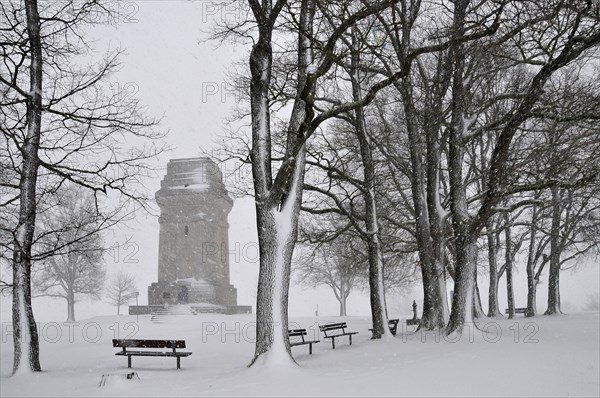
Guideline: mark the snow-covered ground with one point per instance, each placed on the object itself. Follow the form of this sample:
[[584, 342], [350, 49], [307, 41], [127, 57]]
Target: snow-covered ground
[[544, 356]]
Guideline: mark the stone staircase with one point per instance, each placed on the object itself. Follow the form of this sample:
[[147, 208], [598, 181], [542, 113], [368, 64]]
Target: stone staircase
[[169, 313]]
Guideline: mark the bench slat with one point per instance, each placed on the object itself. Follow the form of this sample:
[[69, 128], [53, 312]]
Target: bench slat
[[331, 336], [138, 343], [297, 332], [303, 342], [332, 326], [517, 310], [301, 333], [153, 354], [148, 343], [336, 327]]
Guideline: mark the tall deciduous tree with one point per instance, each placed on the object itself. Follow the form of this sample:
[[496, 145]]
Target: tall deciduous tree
[[80, 270], [278, 192], [61, 123]]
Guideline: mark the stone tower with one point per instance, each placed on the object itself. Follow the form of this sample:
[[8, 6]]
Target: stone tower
[[193, 264]]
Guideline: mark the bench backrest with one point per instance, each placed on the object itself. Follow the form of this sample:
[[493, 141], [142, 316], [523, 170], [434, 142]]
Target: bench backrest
[[297, 332], [332, 326], [149, 343]]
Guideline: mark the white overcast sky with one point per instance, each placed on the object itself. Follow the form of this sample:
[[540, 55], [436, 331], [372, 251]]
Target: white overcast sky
[[171, 70]]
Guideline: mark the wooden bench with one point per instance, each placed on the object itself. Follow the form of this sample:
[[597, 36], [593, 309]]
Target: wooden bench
[[393, 325], [172, 344], [301, 333], [332, 331], [519, 310]]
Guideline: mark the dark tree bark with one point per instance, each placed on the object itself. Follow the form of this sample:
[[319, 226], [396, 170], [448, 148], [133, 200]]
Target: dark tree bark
[[433, 314], [554, 275], [24, 324], [70, 306], [531, 279], [464, 283], [492, 260], [277, 200], [509, 267], [375, 250], [424, 177], [477, 305]]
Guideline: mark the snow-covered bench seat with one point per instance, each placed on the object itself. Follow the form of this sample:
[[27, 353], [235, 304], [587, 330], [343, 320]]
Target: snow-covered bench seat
[[131, 343], [519, 310], [335, 330], [301, 333]]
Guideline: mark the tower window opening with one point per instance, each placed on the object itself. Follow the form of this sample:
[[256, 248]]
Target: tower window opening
[[186, 230]]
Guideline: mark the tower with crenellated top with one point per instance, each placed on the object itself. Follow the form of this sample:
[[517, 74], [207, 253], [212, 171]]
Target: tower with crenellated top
[[193, 265]]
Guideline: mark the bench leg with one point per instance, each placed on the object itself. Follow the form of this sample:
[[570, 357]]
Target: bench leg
[[310, 349], [178, 363], [333, 342], [129, 361], [350, 338]]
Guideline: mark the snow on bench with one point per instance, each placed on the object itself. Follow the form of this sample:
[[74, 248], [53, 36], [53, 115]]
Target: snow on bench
[[519, 310], [131, 343], [335, 328], [301, 333]]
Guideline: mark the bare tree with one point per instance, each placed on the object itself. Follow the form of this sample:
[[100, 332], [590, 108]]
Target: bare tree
[[567, 46], [80, 271], [121, 289], [278, 183], [340, 265], [60, 123]]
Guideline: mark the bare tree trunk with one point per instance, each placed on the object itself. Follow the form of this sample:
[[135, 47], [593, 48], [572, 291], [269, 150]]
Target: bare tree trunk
[[462, 303], [276, 238], [424, 175], [119, 304], [343, 307], [25, 335], [553, 277], [477, 306], [492, 260], [434, 315], [70, 306], [509, 266], [342, 297], [531, 282], [438, 313], [462, 299], [375, 251], [277, 200]]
